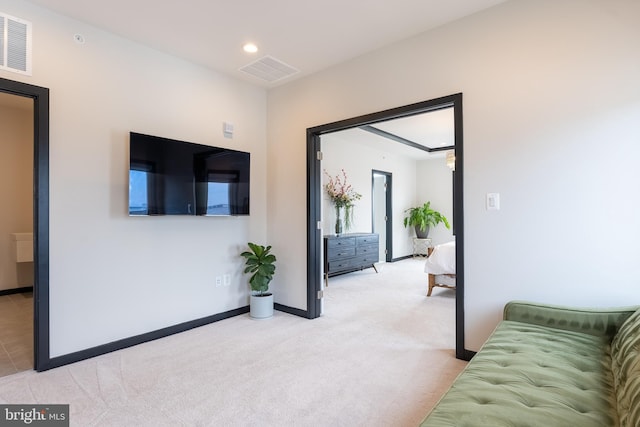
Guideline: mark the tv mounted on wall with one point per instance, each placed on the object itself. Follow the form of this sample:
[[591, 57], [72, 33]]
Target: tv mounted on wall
[[169, 177]]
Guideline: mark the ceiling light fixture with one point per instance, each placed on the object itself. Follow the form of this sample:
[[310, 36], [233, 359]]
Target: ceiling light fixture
[[250, 48]]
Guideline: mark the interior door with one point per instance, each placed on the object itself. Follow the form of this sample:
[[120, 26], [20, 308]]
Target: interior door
[[381, 212]]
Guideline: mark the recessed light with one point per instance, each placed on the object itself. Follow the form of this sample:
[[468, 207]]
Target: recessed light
[[250, 48]]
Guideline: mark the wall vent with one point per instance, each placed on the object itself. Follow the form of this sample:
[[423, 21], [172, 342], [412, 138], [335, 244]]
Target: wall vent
[[15, 44], [269, 69]]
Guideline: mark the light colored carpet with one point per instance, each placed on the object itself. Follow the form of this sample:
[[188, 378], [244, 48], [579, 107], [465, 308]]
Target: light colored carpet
[[381, 355]]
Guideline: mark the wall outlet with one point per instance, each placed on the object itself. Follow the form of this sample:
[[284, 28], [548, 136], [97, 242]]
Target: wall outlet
[[218, 281], [227, 280]]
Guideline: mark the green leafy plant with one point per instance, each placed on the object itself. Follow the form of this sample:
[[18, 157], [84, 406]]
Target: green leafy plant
[[260, 262], [423, 217]]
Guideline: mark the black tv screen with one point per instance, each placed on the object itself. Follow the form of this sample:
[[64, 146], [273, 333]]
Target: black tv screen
[[169, 177]]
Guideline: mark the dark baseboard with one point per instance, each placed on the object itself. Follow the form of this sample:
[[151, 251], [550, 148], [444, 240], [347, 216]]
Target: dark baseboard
[[291, 310], [402, 258], [139, 339], [468, 355], [16, 291]]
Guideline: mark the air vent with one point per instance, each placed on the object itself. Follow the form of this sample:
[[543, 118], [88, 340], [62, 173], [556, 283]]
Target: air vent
[[269, 69], [15, 44]]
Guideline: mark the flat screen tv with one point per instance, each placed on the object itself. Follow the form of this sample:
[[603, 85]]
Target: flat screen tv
[[169, 177]]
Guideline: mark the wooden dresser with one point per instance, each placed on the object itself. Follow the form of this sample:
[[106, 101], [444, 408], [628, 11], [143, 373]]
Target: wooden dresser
[[349, 252]]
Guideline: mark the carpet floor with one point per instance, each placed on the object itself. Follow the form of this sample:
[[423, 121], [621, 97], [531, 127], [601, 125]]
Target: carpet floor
[[382, 354]]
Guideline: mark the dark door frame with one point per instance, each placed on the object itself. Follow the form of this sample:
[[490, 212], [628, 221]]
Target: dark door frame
[[388, 257], [314, 200], [40, 96]]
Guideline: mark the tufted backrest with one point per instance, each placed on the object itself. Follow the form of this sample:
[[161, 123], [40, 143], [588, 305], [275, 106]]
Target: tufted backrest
[[625, 355]]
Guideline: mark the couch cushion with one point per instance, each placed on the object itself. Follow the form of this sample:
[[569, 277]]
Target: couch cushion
[[625, 365], [532, 375]]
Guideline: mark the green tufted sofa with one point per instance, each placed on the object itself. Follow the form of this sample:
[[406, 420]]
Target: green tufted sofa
[[550, 366]]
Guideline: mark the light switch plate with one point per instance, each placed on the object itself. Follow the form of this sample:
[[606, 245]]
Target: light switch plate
[[227, 129], [493, 201]]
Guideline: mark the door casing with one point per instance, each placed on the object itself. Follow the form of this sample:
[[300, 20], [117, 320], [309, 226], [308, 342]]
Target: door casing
[[388, 211], [40, 96], [314, 194]]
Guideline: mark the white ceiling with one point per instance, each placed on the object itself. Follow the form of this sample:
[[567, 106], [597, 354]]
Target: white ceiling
[[307, 35], [432, 129]]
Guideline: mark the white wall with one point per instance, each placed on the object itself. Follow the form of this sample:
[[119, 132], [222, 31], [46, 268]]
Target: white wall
[[551, 106], [358, 161], [435, 185], [16, 186], [112, 276], [414, 182]]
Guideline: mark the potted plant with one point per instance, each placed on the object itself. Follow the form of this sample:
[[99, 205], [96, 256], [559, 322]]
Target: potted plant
[[260, 262], [422, 218]]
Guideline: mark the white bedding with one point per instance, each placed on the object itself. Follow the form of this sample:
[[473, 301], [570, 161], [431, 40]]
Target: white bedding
[[442, 260]]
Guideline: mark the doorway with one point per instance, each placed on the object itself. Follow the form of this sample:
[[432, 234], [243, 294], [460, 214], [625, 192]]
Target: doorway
[[16, 234], [382, 212], [40, 97], [314, 202]]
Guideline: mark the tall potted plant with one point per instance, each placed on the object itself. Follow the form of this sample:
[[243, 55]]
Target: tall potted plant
[[422, 218], [260, 262]]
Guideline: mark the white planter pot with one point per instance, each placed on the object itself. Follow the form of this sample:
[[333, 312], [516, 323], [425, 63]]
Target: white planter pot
[[261, 307]]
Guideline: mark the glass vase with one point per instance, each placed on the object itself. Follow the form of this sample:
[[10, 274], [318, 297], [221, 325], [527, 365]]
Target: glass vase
[[338, 220]]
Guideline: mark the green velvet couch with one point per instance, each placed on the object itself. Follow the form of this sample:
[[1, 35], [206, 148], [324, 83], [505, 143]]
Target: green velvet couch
[[548, 366]]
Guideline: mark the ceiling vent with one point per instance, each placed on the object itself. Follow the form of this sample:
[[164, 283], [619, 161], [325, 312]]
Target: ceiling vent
[[15, 44], [269, 69]]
